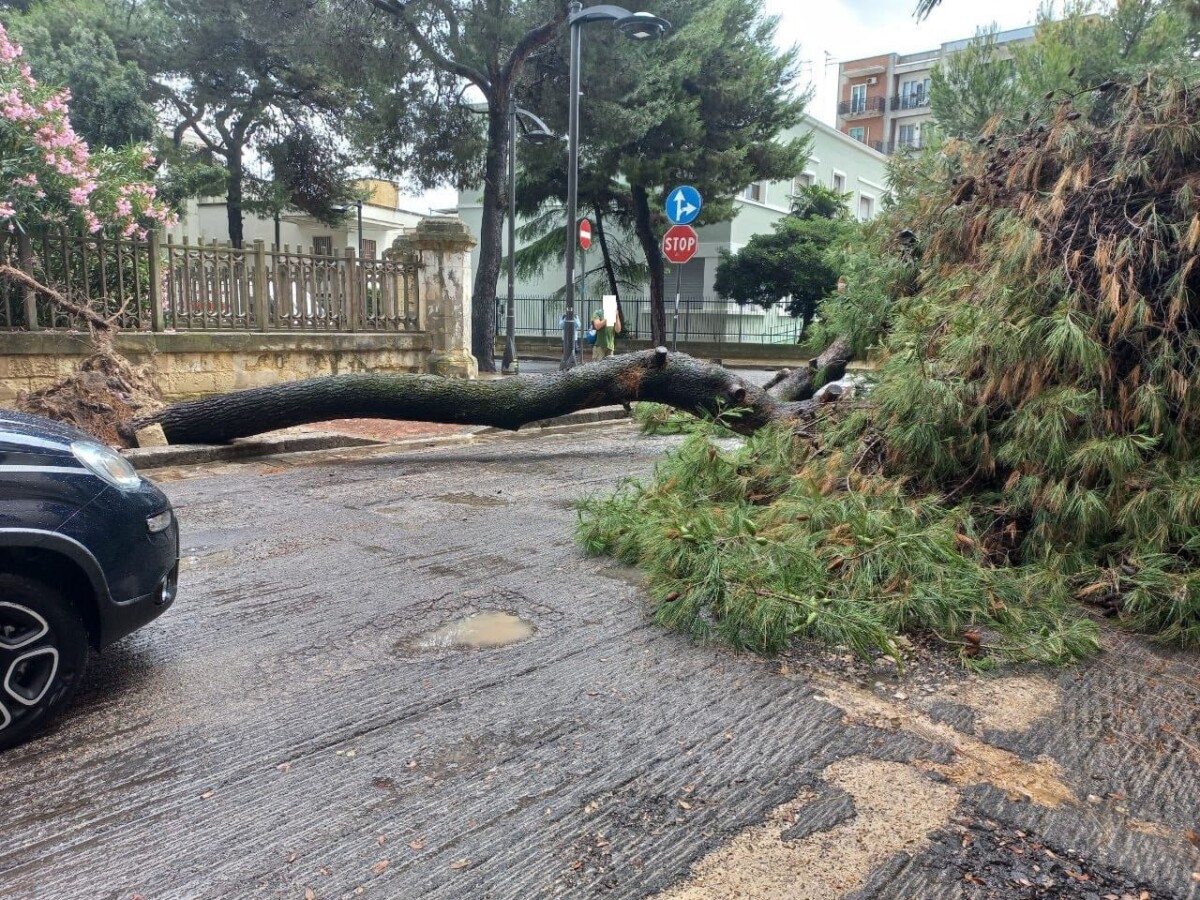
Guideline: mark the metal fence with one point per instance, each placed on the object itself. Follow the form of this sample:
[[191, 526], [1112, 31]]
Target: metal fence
[[155, 286], [700, 320], [113, 277]]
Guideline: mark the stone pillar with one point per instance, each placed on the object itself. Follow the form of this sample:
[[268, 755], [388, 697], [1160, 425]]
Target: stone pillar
[[443, 244]]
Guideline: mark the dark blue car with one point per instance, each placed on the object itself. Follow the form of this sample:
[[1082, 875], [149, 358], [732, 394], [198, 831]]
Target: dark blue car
[[89, 552]]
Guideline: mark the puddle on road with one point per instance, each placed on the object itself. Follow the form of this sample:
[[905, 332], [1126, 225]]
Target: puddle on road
[[490, 628]]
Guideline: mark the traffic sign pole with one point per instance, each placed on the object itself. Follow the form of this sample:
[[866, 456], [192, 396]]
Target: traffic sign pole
[[680, 242], [678, 291]]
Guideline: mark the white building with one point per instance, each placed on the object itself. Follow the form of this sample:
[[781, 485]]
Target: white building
[[837, 161], [382, 216]]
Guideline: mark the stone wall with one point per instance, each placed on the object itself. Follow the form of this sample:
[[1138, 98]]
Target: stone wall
[[199, 363]]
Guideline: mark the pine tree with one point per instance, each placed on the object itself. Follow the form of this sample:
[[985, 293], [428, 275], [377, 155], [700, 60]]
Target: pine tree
[[705, 107]]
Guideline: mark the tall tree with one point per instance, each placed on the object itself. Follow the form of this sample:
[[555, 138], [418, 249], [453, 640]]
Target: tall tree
[[236, 77], [483, 44], [705, 106]]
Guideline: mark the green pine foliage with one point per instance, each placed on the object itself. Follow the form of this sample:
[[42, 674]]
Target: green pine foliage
[[1032, 449], [739, 547]]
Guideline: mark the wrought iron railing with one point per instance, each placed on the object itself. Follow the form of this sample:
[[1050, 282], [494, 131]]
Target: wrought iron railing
[[866, 107], [152, 285], [910, 101], [701, 319]]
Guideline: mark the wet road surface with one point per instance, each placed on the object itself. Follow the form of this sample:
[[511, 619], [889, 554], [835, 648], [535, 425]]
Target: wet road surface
[[394, 675]]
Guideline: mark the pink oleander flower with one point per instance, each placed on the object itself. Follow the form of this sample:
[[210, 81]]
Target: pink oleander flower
[[7, 210]]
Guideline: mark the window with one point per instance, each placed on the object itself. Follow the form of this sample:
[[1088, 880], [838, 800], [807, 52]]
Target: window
[[914, 94], [756, 192], [839, 182], [859, 134], [907, 137], [323, 246], [802, 181], [858, 98], [368, 249], [866, 208]]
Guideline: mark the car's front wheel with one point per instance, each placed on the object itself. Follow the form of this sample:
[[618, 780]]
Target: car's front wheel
[[43, 652]]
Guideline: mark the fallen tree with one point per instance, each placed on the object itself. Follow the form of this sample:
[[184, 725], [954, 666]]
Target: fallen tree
[[657, 376], [1031, 449]]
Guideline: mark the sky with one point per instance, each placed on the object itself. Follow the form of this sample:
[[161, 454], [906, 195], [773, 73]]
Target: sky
[[828, 31]]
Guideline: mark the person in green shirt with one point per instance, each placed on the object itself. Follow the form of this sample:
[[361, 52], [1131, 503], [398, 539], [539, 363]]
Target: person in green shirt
[[606, 335]]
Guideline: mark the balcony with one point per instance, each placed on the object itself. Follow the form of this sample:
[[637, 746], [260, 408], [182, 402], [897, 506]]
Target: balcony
[[910, 101], [890, 147], [871, 106]]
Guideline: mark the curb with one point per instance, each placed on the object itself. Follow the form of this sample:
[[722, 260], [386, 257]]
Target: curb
[[189, 454], [248, 448]]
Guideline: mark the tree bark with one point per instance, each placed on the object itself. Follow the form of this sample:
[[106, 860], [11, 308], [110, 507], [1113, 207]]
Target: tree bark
[[656, 376], [610, 271], [233, 199], [491, 229], [791, 385], [644, 227]]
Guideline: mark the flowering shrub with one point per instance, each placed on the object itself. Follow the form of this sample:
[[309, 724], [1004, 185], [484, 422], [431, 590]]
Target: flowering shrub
[[50, 178]]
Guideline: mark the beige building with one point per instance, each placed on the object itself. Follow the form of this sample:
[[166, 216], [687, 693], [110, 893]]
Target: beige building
[[883, 100], [383, 219]]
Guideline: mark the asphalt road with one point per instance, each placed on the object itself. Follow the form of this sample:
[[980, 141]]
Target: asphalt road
[[296, 726]]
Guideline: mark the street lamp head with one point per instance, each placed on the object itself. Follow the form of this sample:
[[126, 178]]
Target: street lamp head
[[539, 137], [643, 26], [533, 129]]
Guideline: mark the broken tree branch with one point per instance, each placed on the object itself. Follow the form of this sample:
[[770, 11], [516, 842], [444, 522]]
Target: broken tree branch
[[802, 384], [93, 318]]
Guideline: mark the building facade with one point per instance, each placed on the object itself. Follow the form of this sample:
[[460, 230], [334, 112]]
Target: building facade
[[836, 161], [883, 101], [382, 217]]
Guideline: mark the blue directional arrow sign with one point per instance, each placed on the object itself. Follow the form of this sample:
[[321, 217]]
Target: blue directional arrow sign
[[683, 205]]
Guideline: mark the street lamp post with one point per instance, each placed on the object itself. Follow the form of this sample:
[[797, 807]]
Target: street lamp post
[[537, 132], [638, 26]]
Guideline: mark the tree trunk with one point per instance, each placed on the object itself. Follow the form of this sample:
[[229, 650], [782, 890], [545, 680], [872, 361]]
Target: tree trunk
[[657, 376], [233, 196], [609, 270], [654, 260], [800, 384], [491, 230]]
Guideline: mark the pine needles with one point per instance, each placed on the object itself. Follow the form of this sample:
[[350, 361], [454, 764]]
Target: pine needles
[[739, 547], [1034, 438]]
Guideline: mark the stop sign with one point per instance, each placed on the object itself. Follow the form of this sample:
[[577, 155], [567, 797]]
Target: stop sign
[[679, 243], [585, 234]]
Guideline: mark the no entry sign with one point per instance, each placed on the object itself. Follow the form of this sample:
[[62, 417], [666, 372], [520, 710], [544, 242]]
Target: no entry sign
[[585, 234], [679, 243]]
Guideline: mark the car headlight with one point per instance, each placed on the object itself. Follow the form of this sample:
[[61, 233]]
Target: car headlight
[[160, 522], [107, 464]]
